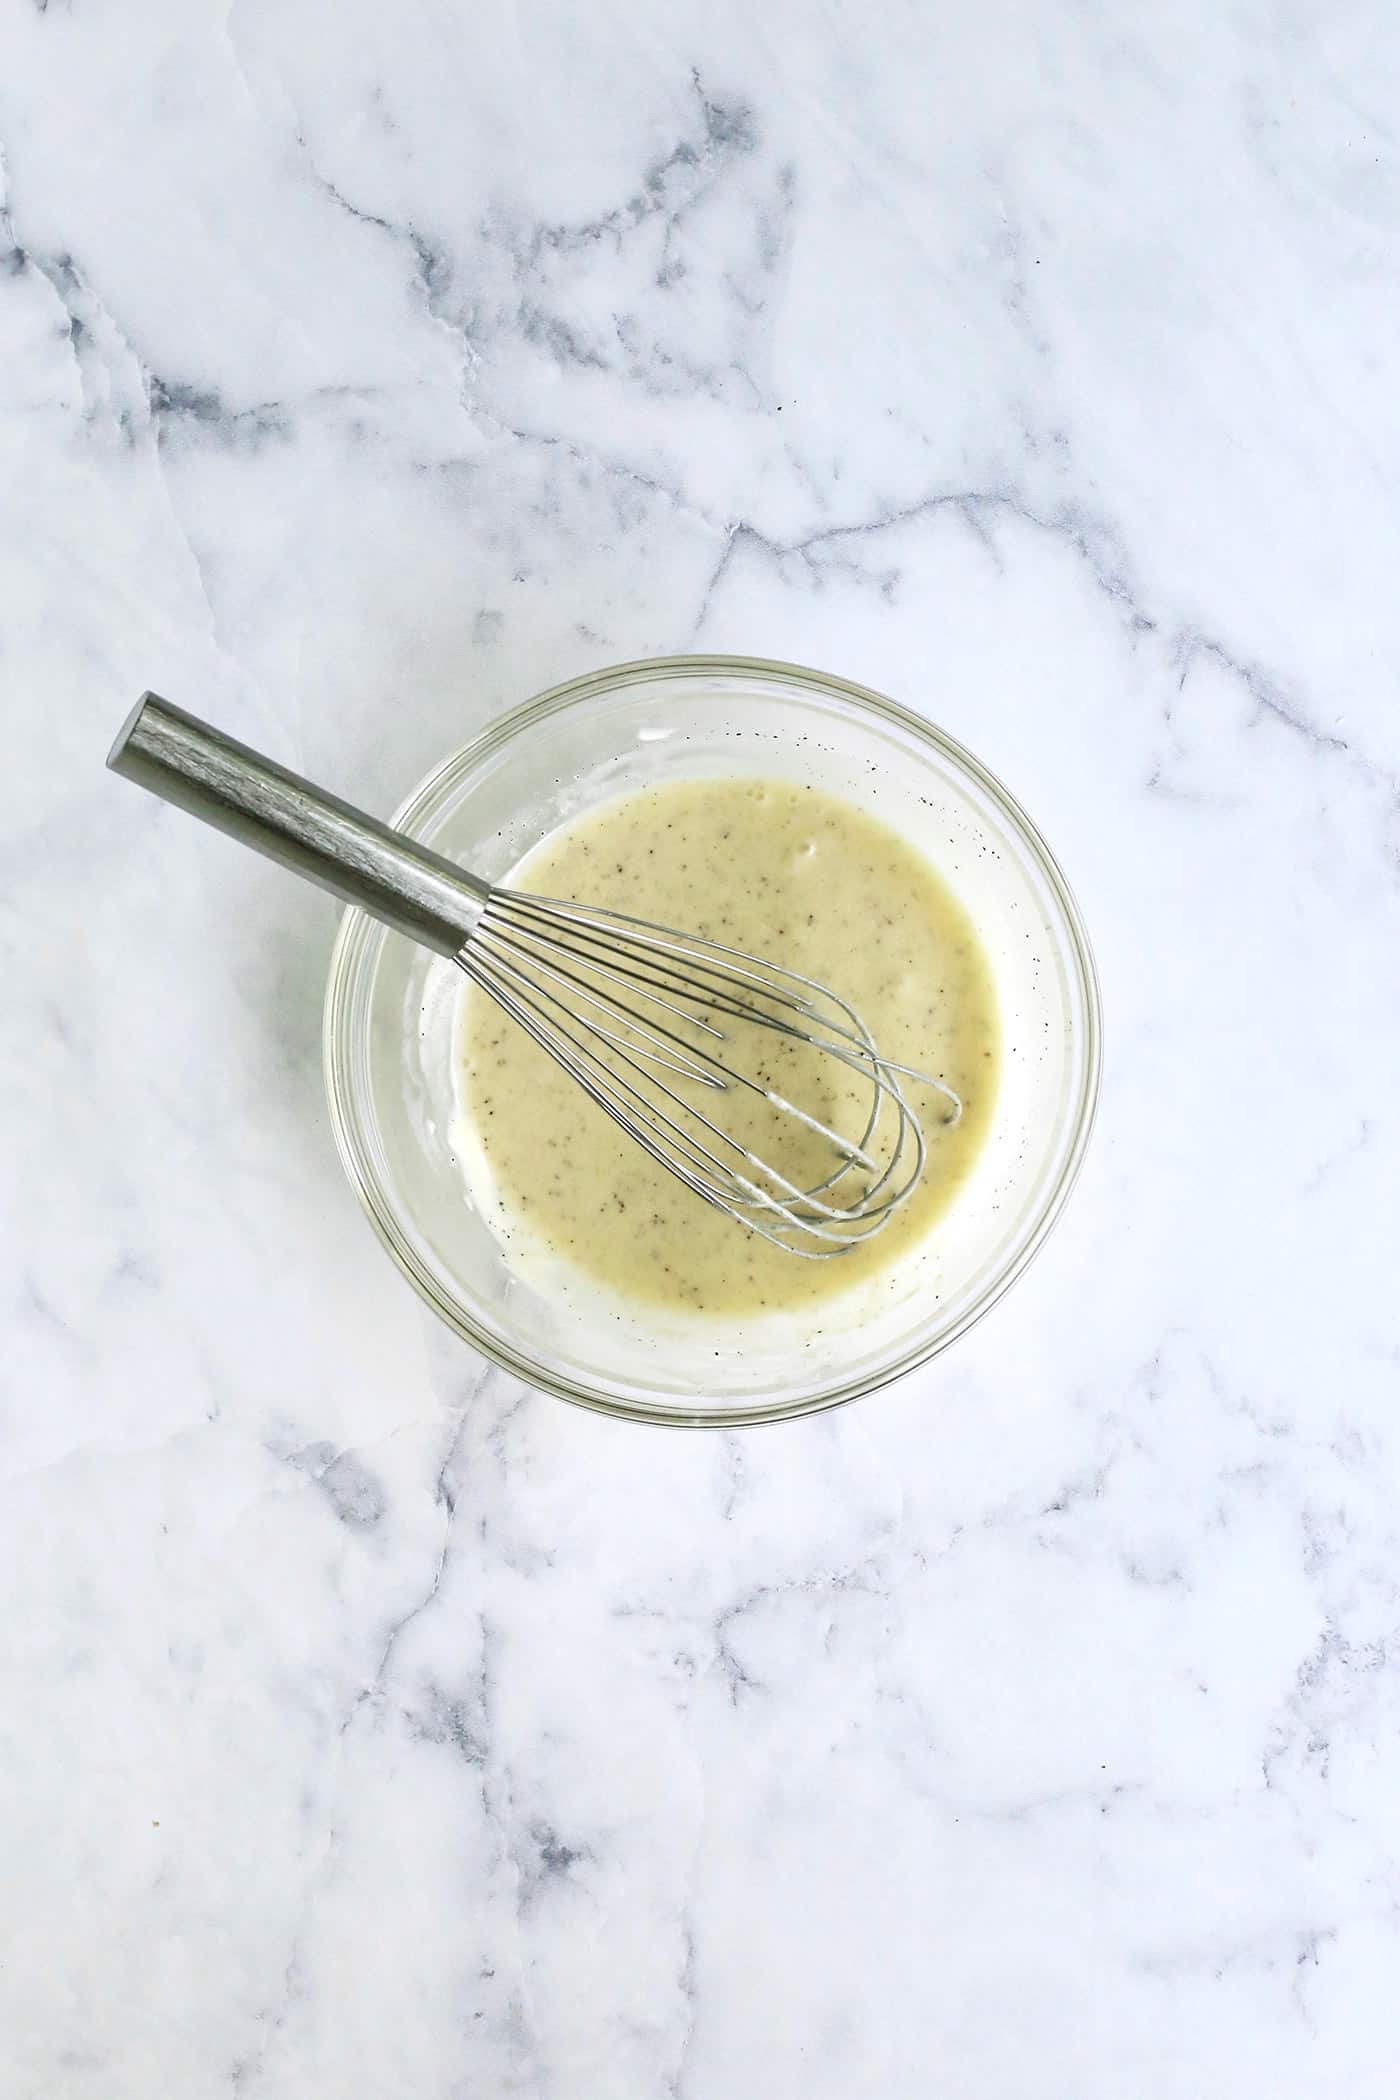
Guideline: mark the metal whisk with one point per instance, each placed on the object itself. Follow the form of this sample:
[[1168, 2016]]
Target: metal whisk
[[660, 1027]]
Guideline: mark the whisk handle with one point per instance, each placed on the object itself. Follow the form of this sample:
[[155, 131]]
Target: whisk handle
[[197, 767]]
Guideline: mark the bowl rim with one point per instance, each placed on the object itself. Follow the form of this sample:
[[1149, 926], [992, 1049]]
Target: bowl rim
[[356, 928]]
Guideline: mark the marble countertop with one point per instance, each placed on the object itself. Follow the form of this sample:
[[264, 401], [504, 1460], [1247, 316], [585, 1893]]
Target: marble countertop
[[368, 1724]]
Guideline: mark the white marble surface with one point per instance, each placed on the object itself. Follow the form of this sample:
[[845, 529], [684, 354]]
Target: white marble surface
[[369, 1726]]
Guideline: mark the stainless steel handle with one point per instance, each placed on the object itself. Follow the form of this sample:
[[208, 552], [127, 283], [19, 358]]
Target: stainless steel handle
[[314, 834]]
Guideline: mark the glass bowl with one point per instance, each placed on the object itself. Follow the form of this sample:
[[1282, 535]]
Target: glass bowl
[[390, 1026]]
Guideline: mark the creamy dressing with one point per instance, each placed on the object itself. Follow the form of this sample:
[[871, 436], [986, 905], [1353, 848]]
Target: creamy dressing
[[806, 880]]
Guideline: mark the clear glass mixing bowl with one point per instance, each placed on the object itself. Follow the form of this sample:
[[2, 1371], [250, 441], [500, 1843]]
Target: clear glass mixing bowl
[[390, 1011]]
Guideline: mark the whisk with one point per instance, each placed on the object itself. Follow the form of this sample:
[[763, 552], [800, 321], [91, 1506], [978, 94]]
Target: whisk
[[666, 1031]]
